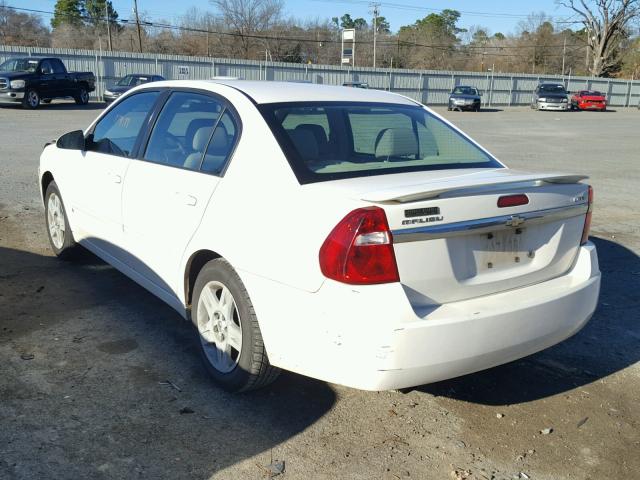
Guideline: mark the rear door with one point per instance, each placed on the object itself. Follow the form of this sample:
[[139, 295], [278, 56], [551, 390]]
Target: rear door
[[48, 86], [63, 83], [168, 188]]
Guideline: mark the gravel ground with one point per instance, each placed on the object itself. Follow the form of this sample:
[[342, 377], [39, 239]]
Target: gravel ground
[[86, 354]]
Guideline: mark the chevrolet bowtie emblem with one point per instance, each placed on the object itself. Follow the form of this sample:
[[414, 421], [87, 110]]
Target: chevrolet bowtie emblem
[[515, 221]]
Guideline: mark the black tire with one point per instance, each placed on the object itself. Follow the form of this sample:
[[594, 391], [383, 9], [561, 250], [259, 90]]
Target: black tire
[[252, 369], [46, 100], [82, 97], [31, 99], [67, 247]]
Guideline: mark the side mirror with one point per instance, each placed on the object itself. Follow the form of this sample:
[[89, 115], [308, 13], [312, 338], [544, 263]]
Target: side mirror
[[72, 141]]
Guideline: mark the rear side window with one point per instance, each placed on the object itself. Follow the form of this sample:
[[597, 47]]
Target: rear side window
[[57, 65], [336, 140], [221, 145], [117, 131], [45, 67], [183, 130]]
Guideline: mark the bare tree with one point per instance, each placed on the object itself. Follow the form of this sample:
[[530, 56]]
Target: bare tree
[[606, 23], [17, 28], [249, 17]]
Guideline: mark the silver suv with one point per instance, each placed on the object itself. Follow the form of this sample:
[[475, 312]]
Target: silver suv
[[550, 96]]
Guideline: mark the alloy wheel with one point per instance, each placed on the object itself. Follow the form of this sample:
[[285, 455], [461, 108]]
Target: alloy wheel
[[219, 326], [55, 220]]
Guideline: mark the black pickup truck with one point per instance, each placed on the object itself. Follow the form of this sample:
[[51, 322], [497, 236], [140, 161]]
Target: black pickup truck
[[33, 80]]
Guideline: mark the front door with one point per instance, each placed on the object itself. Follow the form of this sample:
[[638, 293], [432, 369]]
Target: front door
[[99, 172]]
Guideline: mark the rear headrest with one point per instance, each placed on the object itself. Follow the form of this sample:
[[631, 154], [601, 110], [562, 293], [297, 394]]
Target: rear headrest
[[200, 138], [305, 142], [317, 130], [396, 142]]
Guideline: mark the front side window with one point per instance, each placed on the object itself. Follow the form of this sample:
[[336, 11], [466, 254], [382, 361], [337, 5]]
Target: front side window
[[116, 133], [333, 140], [183, 130]]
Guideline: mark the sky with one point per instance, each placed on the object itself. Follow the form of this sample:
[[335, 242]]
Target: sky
[[496, 15]]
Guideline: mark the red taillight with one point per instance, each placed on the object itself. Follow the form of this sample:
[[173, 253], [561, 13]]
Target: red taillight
[[512, 200], [359, 250], [587, 219]]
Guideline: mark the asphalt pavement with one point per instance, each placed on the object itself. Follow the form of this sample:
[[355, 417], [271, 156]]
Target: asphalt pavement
[[101, 380]]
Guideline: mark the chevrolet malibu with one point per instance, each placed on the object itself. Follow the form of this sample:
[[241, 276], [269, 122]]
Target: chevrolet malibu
[[350, 235]]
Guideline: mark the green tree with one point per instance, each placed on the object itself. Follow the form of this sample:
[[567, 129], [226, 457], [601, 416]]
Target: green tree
[[96, 12], [347, 22], [67, 11], [442, 25], [382, 25]]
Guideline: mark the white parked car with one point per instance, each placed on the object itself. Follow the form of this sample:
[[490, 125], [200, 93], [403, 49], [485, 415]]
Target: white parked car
[[350, 235]]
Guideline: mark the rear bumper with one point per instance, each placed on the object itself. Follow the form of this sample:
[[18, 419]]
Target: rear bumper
[[371, 338], [10, 97]]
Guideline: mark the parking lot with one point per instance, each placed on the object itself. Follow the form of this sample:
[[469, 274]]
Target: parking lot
[[102, 380]]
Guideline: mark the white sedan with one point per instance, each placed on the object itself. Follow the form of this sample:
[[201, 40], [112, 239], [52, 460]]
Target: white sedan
[[346, 234]]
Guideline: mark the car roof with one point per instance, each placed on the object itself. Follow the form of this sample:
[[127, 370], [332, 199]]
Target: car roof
[[282, 92]]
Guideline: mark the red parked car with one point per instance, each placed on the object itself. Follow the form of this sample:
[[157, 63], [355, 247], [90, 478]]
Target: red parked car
[[589, 100]]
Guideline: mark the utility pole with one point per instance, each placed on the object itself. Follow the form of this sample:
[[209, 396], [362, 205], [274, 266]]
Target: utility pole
[[208, 29], [376, 12], [106, 10], [135, 9], [564, 51]]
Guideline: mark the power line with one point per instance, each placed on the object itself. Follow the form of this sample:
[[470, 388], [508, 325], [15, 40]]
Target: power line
[[402, 6], [399, 43]]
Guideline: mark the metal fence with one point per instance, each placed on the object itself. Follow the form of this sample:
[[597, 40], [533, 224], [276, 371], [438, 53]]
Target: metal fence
[[430, 87]]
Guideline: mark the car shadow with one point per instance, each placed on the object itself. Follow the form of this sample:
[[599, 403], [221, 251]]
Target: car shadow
[[609, 343], [608, 110], [126, 391]]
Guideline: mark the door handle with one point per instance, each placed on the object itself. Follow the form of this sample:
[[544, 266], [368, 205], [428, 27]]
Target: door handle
[[116, 178], [188, 199]]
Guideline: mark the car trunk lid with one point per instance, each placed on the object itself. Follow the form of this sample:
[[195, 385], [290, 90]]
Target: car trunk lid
[[453, 242]]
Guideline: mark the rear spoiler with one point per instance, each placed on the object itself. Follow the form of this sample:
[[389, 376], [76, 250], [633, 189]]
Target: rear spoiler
[[469, 184]]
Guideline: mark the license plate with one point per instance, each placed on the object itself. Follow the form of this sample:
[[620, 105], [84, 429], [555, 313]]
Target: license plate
[[504, 248]]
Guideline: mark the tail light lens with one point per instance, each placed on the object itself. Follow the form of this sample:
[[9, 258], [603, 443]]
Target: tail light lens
[[587, 219], [359, 250]]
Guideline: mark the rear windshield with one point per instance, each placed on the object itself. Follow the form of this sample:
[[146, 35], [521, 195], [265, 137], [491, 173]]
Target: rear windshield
[[332, 140]]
